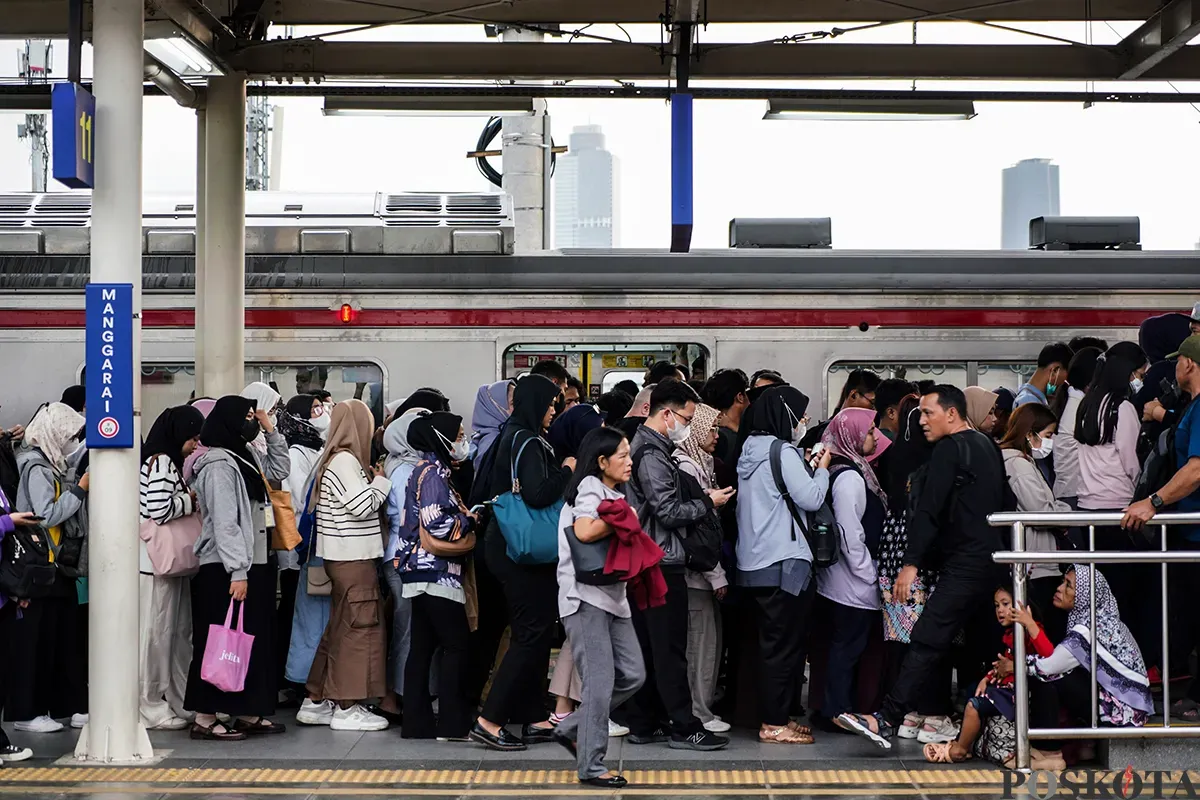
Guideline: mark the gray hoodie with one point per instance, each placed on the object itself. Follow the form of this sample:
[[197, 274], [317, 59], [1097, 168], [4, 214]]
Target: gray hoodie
[[234, 531], [767, 534]]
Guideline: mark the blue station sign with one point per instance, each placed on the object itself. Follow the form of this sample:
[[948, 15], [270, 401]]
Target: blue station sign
[[109, 365], [73, 118]]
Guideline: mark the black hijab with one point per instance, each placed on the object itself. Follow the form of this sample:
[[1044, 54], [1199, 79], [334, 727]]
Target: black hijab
[[295, 424], [75, 397], [909, 452], [428, 399], [223, 429], [769, 413], [532, 398], [423, 434], [170, 432]]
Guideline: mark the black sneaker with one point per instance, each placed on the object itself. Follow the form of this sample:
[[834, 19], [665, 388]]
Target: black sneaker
[[857, 723], [12, 753], [700, 740], [656, 736]]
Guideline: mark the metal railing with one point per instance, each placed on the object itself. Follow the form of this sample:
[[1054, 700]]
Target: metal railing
[[1018, 557]]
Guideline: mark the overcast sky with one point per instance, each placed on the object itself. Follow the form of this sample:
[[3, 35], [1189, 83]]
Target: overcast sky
[[928, 185]]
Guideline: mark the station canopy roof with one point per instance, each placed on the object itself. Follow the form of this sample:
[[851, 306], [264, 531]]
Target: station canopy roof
[[815, 39]]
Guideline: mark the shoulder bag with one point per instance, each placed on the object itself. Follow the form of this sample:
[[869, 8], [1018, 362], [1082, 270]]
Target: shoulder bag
[[441, 548], [530, 534]]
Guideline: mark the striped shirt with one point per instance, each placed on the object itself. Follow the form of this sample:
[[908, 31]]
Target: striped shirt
[[164, 497], [348, 523]]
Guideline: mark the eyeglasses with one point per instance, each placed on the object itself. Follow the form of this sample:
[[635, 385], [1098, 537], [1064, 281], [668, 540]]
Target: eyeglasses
[[686, 420]]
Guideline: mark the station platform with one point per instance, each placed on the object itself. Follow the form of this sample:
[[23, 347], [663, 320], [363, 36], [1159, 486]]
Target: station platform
[[311, 763]]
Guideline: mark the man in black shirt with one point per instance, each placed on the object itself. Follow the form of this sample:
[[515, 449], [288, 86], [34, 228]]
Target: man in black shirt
[[949, 531]]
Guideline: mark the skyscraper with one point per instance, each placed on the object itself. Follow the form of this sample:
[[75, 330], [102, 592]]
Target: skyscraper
[[1030, 191], [585, 192]]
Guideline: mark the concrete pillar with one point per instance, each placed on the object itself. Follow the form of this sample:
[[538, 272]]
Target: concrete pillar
[[523, 148], [201, 213], [221, 340], [115, 733]]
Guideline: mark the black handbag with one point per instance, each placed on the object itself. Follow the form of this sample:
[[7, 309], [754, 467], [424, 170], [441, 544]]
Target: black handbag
[[26, 571], [589, 558]]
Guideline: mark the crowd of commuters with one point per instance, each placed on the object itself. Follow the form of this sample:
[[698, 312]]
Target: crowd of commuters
[[698, 551]]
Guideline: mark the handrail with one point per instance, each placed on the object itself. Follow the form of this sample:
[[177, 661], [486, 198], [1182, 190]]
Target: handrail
[[1019, 556]]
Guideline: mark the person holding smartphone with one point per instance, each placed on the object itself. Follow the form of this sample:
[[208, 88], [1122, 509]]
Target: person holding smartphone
[[9, 520]]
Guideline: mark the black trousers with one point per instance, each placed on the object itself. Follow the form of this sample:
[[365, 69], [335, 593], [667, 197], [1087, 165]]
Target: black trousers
[[7, 615], [493, 620], [1137, 589], [518, 693], [1185, 615], [47, 669], [662, 634], [934, 698], [963, 594], [782, 629], [289, 579], [848, 640], [436, 622]]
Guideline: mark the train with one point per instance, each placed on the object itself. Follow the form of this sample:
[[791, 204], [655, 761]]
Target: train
[[374, 295]]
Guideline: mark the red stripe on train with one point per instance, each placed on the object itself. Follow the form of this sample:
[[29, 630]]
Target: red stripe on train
[[623, 318]]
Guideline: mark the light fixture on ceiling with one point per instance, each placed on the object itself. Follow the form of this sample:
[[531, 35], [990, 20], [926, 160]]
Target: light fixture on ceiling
[[854, 109], [426, 106], [178, 51]]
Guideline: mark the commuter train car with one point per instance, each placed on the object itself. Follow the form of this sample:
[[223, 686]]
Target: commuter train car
[[376, 295]]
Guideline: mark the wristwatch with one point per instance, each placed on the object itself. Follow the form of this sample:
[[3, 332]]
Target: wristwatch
[[1156, 502]]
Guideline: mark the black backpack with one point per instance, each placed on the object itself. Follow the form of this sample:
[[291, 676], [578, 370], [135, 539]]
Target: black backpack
[[10, 475], [822, 536], [875, 513], [1159, 466], [482, 486], [26, 571], [702, 541]]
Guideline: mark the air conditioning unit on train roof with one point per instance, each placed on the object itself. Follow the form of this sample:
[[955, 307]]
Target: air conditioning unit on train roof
[[785, 234], [1085, 233], [278, 223]]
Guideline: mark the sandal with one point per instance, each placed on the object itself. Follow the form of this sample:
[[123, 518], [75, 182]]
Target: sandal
[[798, 728], [784, 735], [210, 733], [940, 754]]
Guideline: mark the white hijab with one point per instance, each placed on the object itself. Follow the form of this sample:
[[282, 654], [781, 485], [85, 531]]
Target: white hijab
[[265, 399], [51, 431]]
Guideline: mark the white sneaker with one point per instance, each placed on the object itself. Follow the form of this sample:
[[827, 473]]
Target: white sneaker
[[717, 725], [357, 718], [311, 713], [42, 724], [79, 720], [12, 753], [617, 729], [911, 726], [937, 730], [171, 724]]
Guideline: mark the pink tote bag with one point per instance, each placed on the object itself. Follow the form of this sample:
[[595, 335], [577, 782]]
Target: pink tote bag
[[172, 547], [227, 654]]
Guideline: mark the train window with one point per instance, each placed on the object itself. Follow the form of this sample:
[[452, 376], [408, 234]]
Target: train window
[[951, 372], [166, 385], [1009, 375], [602, 366]]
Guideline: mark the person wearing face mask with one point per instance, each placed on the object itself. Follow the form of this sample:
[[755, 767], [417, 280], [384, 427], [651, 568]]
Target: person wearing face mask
[[1029, 439], [1050, 374], [304, 424], [658, 492], [266, 399], [774, 560], [1107, 429], [236, 564], [349, 667]]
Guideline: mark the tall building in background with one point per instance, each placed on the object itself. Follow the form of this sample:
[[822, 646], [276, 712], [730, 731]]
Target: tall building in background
[[1030, 191], [585, 192]]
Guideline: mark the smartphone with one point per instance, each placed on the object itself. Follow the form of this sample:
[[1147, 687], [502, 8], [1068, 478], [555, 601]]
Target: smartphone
[[481, 506], [815, 456], [38, 519]]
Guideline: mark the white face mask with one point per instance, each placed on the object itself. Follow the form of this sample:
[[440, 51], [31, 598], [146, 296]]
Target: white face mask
[[459, 449], [680, 432], [799, 426], [1136, 385], [1045, 449], [321, 423]]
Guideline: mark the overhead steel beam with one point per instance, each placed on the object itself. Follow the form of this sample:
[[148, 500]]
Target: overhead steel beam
[[1160, 37], [348, 12], [685, 16], [315, 59]]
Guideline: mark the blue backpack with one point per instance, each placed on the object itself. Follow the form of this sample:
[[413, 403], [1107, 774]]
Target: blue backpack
[[307, 525], [530, 534]]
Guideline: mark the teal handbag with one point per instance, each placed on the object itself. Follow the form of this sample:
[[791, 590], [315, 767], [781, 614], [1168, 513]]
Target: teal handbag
[[530, 534]]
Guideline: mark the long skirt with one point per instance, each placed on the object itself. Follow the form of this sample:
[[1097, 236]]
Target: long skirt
[[210, 602], [47, 663]]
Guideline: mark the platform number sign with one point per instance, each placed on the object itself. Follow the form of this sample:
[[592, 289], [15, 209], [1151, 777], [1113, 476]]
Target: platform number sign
[[109, 365], [73, 113]]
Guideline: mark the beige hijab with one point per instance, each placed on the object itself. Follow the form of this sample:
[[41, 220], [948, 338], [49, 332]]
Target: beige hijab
[[980, 403], [350, 430]]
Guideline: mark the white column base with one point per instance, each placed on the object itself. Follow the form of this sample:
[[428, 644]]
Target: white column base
[[93, 752]]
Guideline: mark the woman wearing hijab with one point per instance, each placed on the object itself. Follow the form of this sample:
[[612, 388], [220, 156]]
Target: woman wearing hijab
[[349, 666], [981, 408], [402, 459], [435, 584], [773, 557], [235, 565], [531, 590], [705, 589], [205, 406], [166, 603], [493, 404], [303, 423], [1062, 680], [47, 677], [568, 430], [848, 591], [266, 399]]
